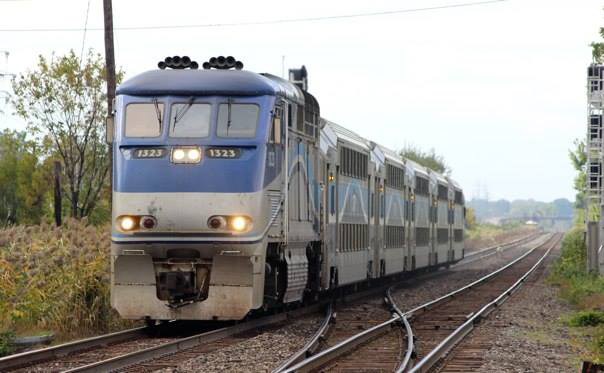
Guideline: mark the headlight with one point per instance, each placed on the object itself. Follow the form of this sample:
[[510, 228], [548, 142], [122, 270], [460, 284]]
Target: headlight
[[240, 223], [178, 155], [194, 155], [131, 223], [128, 223], [186, 155], [234, 223]]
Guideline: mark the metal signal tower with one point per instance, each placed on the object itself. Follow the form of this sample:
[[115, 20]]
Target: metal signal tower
[[594, 148]]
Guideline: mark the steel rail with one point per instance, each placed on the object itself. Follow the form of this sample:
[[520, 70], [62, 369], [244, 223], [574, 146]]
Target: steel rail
[[404, 316], [181, 344], [55, 352], [349, 344], [408, 330], [432, 303], [458, 334], [343, 347], [311, 346]]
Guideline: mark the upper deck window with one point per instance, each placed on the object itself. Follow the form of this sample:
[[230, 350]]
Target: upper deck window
[[422, 186], [190, 120], [237, 120], [144, 119]]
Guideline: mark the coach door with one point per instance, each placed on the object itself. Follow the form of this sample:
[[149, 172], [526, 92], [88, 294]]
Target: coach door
[[378, 226]]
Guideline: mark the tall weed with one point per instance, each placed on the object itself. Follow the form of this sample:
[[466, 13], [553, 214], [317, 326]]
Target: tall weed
[[56, 279]]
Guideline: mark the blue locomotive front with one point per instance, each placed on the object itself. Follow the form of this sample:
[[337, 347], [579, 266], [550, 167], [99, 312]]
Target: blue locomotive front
[[192, 161]]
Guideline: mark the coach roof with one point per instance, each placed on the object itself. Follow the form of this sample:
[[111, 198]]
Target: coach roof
[[207, 83]]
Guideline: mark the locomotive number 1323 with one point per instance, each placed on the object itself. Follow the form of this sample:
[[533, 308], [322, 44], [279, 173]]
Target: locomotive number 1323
[[223, 153]]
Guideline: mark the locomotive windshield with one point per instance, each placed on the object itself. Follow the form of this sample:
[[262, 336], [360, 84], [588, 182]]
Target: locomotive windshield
[[144, 119], [190, 120], [237, 120]]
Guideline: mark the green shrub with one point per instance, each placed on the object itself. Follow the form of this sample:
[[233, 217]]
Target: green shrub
[[577, 286], [5, 339], [600, 343], [587, 318]]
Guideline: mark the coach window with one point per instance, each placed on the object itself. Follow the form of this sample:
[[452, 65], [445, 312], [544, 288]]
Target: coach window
[[144, 119], [237, 120], [190, 120]]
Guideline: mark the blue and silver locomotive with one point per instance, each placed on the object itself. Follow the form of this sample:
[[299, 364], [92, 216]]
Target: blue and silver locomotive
[[231, 193]]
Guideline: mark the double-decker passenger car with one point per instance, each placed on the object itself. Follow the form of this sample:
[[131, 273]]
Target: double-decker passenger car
[[231, 193]]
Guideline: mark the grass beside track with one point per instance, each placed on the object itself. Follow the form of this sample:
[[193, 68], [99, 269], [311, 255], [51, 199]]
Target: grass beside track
[[55, 280], [583, 291]]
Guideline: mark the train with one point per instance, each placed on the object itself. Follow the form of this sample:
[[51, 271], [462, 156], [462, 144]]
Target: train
[[231, 194]]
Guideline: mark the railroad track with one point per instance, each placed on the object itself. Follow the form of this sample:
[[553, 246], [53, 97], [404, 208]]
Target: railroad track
[[149, 348], [444, 323], [138, 349], [385, 346]]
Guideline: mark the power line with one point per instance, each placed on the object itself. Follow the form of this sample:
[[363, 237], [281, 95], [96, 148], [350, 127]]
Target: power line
[[269, 22], [84, 37]]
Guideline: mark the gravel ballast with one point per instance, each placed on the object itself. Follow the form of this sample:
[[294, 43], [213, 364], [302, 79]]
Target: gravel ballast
[[529, 333], [261, 353]]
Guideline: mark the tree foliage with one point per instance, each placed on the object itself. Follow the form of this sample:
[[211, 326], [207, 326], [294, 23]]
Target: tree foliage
[[597, 49], [427, 159], [470, 218], [24, 176], [578, 158], [64, 100]]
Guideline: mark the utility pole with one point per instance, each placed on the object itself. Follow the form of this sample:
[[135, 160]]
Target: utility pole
[[110, 70], [57, 200]]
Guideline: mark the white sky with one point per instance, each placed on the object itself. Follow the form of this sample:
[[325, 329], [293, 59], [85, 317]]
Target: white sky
[[498, 89]]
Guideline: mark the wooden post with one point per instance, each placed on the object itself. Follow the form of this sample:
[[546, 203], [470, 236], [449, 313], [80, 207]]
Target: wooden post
[[58, 200], [110, 70]]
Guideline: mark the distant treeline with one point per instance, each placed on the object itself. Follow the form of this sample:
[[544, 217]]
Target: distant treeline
[[522, 209]]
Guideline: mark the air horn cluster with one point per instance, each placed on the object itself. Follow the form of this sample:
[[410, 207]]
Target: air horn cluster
[[178, 62], [223, 63]]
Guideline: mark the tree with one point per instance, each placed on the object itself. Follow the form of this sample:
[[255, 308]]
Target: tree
[[23, 179], [470, 218], [64, 99], [597, 49], [578, 157], [427, 159]]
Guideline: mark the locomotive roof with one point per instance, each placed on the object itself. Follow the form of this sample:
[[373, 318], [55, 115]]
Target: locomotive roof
[[208, 83]]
